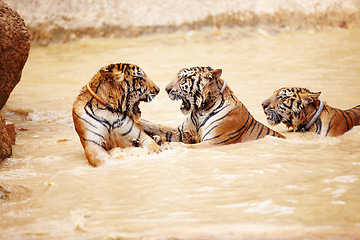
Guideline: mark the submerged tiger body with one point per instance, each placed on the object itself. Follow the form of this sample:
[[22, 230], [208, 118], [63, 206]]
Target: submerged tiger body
[[302, 110], [106, 111], [215, 115]]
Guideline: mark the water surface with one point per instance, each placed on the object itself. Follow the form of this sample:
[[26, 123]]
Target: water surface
[[303, 186]]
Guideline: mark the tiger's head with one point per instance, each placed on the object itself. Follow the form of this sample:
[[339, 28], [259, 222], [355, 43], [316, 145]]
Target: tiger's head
[[288, 105], [194, 87], [122, 86]]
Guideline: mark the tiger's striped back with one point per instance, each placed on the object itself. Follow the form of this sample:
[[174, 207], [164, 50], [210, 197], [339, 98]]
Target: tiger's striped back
[[335, 122]]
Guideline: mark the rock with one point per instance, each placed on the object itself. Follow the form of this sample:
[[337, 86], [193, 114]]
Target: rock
[[5, 141], [14, 50], [13, 192], [10, 128]]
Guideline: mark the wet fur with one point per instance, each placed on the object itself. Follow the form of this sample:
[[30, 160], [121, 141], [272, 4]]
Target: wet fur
[[213, 117], [296, 106], [101, 128]]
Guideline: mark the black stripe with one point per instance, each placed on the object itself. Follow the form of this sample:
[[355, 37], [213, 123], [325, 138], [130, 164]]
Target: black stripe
[[224, 141], [209, 131], [194, 121], [352, 124], [318, 125], [239, 135], [329, 126], [119, 122], [97, 134], [192, 84], [168, 136], [262, 127], [233, 97], [91, 114], [356, 116], [213, 113], [98, 86], [215, 138], [247, 120], [83, 119], [180, 133], [326, 109], [128, 131], [347, 123], [267, 131], [89, 140], [253, 128]]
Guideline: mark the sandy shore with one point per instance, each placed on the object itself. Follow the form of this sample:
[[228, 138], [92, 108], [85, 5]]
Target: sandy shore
[[64, 20]]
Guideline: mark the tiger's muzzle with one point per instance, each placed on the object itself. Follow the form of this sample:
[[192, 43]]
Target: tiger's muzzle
[[272, 116], [148, 97]]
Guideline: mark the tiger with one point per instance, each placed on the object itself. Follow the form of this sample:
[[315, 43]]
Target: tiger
[[302, 111], [214, 116], [106, 111]]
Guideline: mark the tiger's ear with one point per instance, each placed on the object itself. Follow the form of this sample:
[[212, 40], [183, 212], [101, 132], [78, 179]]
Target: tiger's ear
[[106, 73], [309, 97], [215, 74], [118, 76]]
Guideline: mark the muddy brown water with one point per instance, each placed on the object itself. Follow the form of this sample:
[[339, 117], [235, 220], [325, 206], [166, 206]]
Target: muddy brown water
[[304, 186]]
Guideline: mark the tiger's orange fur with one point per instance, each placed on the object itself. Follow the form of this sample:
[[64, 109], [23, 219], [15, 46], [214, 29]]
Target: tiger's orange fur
[[296, 106], [102, 127]]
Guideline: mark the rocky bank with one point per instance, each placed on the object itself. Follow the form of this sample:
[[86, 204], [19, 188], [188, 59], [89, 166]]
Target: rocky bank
[[64, 20], [14, 51]]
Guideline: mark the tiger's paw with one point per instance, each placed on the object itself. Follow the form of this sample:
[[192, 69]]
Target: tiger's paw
[[153, 148], [159, 140], [95, 162], [96, 156]]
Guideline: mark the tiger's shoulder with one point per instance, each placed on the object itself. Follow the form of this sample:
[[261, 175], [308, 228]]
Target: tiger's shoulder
[[334, 121]]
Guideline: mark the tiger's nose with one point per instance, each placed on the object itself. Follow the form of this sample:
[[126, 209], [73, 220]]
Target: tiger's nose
[[168, 88], [265, 104], [157, 89]]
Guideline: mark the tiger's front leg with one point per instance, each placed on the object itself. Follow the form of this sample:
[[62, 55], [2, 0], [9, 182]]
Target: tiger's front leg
[[148, 143], [153, 130], [91, 141], [95, 154], [165, 133], [130, 134]]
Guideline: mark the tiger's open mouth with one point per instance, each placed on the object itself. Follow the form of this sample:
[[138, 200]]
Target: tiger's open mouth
[[136, 109], [148, 98], [185, 104]]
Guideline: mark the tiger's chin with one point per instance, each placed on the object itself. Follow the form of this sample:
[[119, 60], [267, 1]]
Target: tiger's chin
[[273, 118]]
